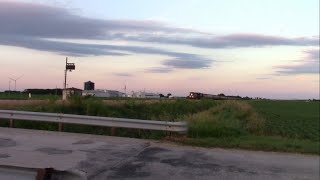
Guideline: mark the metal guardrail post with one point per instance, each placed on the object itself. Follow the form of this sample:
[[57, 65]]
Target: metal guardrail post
[[60, 128], [113, 131], [60, 124], [11, 122], [44, 174]]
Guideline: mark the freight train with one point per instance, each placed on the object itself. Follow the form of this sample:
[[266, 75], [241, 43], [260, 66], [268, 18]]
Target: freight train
[[198, 95]]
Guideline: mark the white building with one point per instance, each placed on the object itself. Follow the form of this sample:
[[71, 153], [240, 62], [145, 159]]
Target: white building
[[142, 94], [103, 93]]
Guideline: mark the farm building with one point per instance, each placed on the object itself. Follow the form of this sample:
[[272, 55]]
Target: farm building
[[103, 93], [66, 93], [142, 94]]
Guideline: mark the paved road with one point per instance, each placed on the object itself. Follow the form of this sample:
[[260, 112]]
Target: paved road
[[103, 157]]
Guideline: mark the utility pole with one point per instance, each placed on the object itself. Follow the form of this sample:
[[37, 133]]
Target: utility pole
[[70, 67], [65, 75]]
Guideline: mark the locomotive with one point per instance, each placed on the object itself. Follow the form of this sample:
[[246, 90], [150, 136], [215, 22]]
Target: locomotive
[[199, 95]]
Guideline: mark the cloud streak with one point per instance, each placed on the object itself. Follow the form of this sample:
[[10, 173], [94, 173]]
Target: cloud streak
[[30, 19], [30, 25], [123, 74], [40, 21], [178, 59], [218, 42], [188, 63], [63, 48], [159, 70], [310, 65]]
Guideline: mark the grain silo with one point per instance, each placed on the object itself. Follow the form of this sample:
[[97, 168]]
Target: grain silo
[[89, 85]]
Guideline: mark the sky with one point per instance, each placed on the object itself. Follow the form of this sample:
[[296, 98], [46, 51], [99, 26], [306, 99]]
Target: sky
[[265, 48]]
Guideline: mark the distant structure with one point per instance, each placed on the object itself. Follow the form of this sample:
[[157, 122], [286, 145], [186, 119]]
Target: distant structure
[[15, 83], [89, 85], [69, 67], [103, 93], [143, 94], [68, 92]]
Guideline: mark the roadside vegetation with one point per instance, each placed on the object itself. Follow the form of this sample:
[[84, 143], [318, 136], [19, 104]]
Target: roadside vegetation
[[290, 126], [14, 95]]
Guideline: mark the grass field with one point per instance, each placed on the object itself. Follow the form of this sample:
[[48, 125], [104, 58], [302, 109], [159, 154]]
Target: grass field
[[291, 126]]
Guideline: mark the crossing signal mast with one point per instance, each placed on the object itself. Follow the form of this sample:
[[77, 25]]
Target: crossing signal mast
[[69, 67]]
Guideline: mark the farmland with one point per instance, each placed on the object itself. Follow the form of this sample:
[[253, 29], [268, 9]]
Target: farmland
[[290, 126]]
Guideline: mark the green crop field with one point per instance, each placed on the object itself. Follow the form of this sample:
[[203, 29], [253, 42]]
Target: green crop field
[[290, 126], [293, 119]]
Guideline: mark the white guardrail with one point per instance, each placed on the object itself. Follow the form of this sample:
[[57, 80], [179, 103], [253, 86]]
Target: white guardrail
[[179, 127]]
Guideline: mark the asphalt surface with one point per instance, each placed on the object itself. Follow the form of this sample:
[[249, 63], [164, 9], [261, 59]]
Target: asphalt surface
[[104, 157]]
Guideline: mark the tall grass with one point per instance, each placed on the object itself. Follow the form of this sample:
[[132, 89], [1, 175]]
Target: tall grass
[[154, 110], [228, 118]]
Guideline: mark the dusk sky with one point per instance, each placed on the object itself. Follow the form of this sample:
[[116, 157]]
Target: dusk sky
[[265, 48]]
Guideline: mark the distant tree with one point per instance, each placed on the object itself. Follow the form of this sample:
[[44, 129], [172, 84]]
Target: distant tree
[[44, 91], [246, 98], [221, 94], [168, 95], [161, 95]]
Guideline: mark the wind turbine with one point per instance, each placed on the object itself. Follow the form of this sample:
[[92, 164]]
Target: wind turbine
[[15, 82], [125, 89], [9, 85]]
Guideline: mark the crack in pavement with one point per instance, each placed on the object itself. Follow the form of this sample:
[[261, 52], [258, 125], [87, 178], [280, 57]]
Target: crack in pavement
[[6, 142]]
